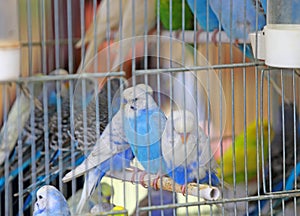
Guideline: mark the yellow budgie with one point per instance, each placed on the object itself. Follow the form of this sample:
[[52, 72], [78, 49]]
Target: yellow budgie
[[240, 154]]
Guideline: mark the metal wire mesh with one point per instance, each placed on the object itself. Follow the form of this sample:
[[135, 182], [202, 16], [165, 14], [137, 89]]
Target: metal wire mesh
[[59, 117]]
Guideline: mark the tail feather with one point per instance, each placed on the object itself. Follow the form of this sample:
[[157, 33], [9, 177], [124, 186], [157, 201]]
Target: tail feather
[[248, 50], [92, 179]]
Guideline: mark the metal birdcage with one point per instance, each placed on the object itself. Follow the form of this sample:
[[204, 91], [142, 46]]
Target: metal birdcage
[[77, 60]]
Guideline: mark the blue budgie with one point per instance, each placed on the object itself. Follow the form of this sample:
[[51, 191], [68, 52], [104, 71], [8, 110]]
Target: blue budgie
[[110, 149], [50, 201], [187, 156], [144, 125], [238, 19], [200, 11]]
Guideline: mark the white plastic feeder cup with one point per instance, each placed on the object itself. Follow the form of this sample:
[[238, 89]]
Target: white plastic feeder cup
[[9, 60], [282, 45]]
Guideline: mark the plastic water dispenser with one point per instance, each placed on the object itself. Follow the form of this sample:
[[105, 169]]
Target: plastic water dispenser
[[282, 34], [9, 40], [279, 42]]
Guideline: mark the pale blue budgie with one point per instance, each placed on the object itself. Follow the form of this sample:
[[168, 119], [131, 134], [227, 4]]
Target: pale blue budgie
[[192, 160], [238, 19], [50, 201], [144, 124]]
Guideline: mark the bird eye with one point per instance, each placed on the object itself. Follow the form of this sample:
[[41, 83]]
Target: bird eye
[[134, 100], [40, 197]]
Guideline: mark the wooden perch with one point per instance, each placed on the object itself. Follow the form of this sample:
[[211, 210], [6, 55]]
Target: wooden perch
[[220, 36], [205, 191]]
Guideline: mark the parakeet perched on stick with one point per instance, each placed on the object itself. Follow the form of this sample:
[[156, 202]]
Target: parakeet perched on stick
[[192, 160], [144, 124]]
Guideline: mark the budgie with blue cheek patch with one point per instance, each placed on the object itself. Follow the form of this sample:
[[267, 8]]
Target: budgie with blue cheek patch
[[110, 152], [191, 153], [144, 123], [238, 23], [50, 201]]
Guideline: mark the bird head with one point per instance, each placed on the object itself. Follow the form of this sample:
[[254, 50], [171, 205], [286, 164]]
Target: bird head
[[43, 199], [138, 98], [49, 199], [183, 124], [107, 192]]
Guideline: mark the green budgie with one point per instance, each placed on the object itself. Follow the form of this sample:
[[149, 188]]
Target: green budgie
[[164, 13], [240, 154]]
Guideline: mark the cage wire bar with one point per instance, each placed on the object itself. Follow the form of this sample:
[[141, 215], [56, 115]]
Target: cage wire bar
[[51, 121]]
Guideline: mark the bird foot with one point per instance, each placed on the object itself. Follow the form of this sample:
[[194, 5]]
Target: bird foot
[[141, 178], [155, 182], [198, 34], [214, 36], [183, 189], [236, 42], [177, 34], [134, 172], [142, 181]]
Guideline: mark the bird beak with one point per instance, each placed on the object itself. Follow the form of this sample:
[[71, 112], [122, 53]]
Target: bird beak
[[182, 137], [66, 84]]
